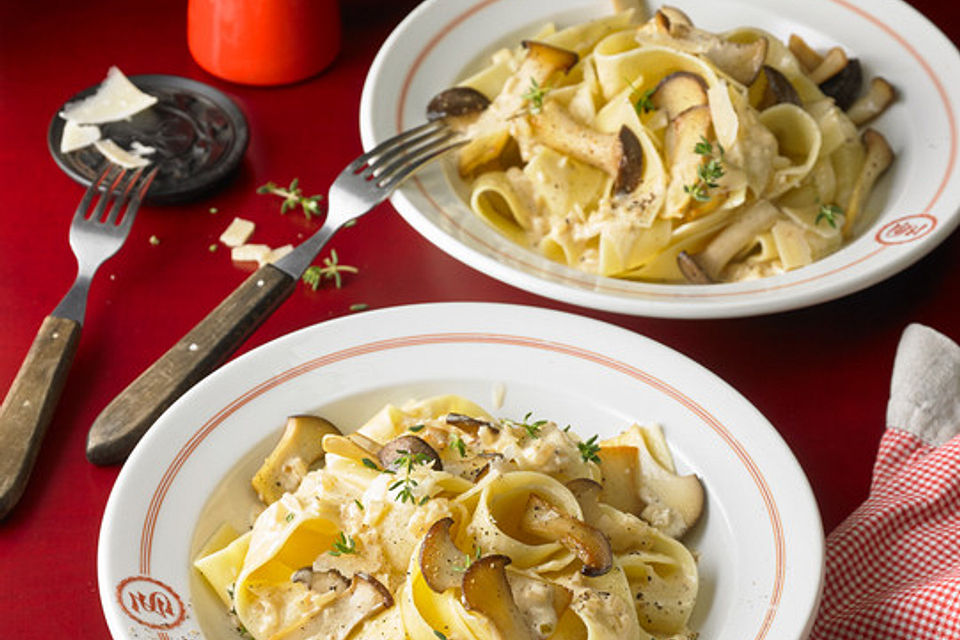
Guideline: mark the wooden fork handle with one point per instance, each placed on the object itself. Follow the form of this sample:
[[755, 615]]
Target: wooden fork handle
[[30, 402], [128, 416]]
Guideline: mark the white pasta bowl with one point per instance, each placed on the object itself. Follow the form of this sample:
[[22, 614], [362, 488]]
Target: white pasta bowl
[[912, 210], [759, 542]]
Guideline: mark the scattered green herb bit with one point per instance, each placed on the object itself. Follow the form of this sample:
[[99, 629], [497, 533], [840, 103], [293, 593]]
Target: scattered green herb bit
[[707, 173], [458, 444], [359, 504], [535, 95], [829, 212], [417, 427], [289, 517], [343, 544], [154, 240], [566, 429], [439, 635], [404, 487], [370, 464], [349, 223], [644, 103], [360, 306], [212, 247], [589, 449], [468, 560], [424, 500], [532, 428], [214, 210], [293, 197], [330, 270]]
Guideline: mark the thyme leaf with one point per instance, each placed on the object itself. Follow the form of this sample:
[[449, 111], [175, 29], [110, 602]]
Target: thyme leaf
[[293, 197], [344, 544], [331, 270], [589, 450]]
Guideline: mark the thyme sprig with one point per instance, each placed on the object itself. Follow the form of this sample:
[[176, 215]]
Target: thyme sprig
[[535, 94], [708, 172], [344, 544], [331, 270], [293, 197], [644, 103], [532, 428], [458, 444], [589, 450], [405, 486], [829, 212]]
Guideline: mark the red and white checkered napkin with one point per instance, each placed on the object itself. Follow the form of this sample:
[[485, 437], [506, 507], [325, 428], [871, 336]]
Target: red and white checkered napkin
[[893, 567]]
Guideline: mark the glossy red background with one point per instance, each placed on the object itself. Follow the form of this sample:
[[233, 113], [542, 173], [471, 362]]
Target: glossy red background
[[820, 375]]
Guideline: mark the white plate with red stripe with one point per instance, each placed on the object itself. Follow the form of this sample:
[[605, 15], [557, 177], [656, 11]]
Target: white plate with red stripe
[[915, 202], [760, 541]]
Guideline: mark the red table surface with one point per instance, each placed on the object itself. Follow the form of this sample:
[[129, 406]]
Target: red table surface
[[821, 375]]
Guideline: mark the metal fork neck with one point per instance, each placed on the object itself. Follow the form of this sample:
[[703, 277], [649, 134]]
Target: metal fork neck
[[297, 261], [74, 304]]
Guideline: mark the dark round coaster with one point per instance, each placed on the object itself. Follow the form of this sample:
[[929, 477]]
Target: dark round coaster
[[200, 136]]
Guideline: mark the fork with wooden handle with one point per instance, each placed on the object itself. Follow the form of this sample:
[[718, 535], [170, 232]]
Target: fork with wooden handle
[[364, 183], [30, 402]]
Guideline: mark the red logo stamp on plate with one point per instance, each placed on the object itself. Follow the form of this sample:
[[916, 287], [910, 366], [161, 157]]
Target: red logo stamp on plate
[[906, 229], [150, 602]]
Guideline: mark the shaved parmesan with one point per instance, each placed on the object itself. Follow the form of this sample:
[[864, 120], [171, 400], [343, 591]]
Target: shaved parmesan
[[237, 233], [116, 98], [141, 149], [77, 136], [120, 156], [250, 253]]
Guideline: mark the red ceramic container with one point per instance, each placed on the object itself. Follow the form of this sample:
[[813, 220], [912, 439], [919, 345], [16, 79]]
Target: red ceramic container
[[263, 42]]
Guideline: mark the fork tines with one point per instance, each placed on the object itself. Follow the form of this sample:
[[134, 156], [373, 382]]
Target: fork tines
[[121, 183], [389, 163]]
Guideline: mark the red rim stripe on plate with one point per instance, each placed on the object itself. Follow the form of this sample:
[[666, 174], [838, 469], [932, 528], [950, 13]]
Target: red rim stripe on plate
[[613, 287], [159, 495]]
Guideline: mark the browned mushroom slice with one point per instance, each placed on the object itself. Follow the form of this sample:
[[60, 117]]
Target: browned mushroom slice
[[879, 156], [487, 591], [678, 92], [491, 133], [476, 468], [735, 237], [300, 446], [845, 85], [808, 58], [588, 543], [549, 56], [772, 87], [353, 446], [685, 132], [398, 448], [670, 20], [619, 468], [587, 492], [365, 598], [441, 562], [673, 502], [740, 60], [321, 581], [468, 424], [830, 65], [691, 269], [621, 155], [875, 101], [456, 102]]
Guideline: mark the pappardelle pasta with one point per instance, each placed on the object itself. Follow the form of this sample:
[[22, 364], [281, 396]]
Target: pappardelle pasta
[[436, 520], [662, 152]]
